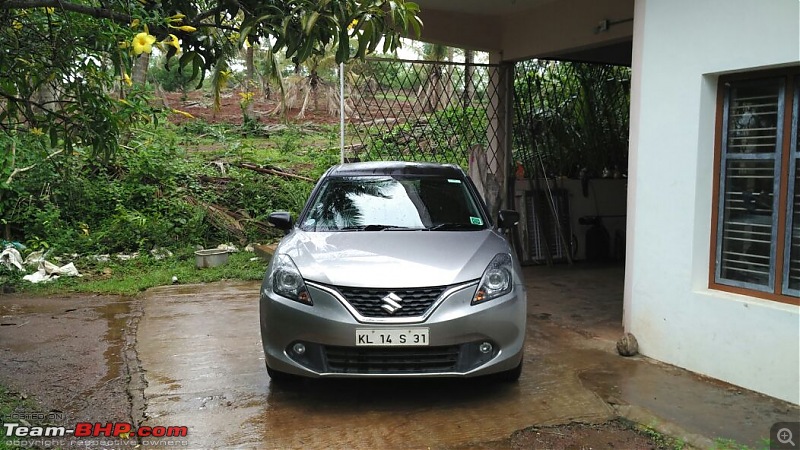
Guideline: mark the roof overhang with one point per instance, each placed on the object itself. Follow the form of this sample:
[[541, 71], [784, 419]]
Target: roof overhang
[[580, 30]]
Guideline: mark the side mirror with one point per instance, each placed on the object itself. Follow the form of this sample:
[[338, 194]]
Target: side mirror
[[281, 220], [507, 218]]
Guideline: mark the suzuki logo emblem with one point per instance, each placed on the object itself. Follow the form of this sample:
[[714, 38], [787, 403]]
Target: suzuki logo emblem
[[391, 303]]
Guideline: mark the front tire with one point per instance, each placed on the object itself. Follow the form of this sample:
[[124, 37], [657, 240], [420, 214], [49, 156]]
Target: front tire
[[279, 377], [510, 376]]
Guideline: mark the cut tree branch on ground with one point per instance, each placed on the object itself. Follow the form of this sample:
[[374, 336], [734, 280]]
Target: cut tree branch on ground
[[231, 221], [269, 171]]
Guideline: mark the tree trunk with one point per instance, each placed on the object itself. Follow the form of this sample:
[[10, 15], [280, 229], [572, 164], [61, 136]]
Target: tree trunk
[[432, 90], [250, 73], [250, 82], [46, 96], [140, 68], [469, 89]]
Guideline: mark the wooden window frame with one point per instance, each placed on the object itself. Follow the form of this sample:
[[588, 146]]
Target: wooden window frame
[[787, 160]]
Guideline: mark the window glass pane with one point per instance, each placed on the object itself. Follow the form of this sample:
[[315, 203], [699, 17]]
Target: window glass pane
[[753, 118], [794, 245], [747, 221]]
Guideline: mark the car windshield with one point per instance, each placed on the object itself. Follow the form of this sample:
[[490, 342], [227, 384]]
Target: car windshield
[[387, 203]]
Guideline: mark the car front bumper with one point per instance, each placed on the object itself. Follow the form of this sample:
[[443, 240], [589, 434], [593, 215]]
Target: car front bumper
[[458, 334]]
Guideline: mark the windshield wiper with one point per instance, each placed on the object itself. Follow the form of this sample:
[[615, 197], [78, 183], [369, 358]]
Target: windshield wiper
[[455, 227], [377, 227]]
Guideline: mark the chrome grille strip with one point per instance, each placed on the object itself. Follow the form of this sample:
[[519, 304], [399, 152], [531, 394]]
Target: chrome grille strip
[[393, 320]]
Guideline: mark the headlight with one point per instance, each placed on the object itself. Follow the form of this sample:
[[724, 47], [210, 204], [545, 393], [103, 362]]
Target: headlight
[[287, 280], [496, 280]]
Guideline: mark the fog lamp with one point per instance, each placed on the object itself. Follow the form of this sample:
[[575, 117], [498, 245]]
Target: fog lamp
[[299, 348], [485, 347]]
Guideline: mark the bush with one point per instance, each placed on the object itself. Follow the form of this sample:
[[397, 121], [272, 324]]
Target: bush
[[169, 76], [151, 195]]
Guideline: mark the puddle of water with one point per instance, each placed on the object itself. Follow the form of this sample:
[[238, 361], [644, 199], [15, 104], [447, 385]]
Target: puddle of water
[[116, 315]]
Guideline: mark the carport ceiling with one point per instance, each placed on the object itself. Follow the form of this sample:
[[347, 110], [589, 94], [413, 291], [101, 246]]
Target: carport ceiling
[[482, 7], [523, 29]]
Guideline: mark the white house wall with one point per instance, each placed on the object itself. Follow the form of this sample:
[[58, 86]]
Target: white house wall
[[680, 49]]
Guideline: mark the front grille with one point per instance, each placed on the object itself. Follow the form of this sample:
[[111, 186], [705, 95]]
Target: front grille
[[368, 301], [392, 360]]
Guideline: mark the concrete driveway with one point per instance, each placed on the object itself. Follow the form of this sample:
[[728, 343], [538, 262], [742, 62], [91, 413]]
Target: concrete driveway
[[200, 351]]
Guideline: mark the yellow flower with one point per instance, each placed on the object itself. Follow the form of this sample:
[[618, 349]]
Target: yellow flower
[[183, 113], [143, 43], [352, 24], [176, 18], [174, 42], [36, 131], [186, 28], [247, 98], [17, 25], [127, 79], [135, 24], [124, 44]]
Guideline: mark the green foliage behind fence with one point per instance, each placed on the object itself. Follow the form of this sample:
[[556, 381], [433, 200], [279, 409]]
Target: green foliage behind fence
[[571, 117], [444, 135]]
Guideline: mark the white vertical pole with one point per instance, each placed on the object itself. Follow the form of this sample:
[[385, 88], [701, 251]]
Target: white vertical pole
[[341, 113]]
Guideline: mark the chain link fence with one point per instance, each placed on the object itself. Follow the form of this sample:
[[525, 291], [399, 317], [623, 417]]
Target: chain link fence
[[421, 110], [571, 117], [571, 121], [568, 121], [568, 116]]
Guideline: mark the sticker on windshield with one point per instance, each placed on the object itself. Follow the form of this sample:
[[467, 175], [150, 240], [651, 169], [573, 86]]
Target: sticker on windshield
[[475, 221], [450, 180]]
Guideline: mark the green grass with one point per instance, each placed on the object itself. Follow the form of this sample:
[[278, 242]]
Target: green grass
[[661, 440], [136, 275], [307, 151], [730, 444], [9, 402]]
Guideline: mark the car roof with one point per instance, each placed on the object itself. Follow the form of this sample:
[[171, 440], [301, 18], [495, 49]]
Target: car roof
[[396, 168]]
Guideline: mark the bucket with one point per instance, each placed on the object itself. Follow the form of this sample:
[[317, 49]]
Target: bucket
[[211, 257]]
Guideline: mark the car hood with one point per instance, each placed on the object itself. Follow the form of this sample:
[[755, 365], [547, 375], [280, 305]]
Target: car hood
[[391, 259]]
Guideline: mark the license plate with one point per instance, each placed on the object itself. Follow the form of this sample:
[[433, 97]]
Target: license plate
[[392, 337]]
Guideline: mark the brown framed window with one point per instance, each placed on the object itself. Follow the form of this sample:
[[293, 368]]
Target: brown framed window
[[756, 216]]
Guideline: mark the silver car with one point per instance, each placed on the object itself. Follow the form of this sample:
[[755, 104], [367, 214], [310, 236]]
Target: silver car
[[393, 269]]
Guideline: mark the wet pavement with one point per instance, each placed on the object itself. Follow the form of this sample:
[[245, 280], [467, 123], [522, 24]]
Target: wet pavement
[[67, 352], [206, 371], [199, 348], [191, 356]]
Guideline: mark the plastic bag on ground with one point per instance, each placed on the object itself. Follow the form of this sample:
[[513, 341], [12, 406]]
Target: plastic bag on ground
[[49, 271], [10, 257]]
